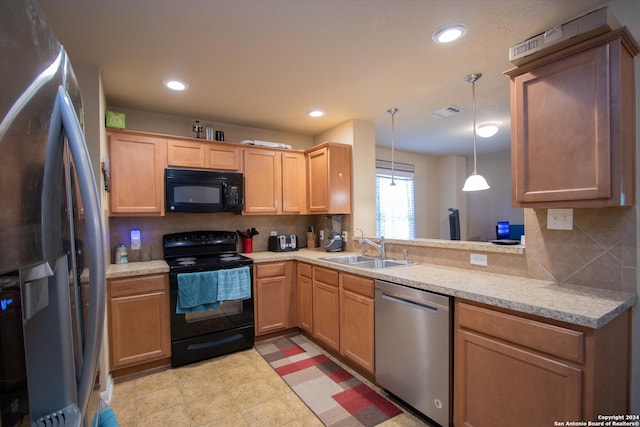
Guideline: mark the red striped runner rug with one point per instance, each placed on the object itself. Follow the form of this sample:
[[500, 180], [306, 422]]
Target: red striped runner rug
[[332, 393]]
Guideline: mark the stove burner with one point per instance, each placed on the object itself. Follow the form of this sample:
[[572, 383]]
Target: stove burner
[[186, 262], [230, 258], [186, 259]]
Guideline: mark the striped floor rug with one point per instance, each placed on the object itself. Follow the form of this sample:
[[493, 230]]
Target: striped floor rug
[[332, 393]]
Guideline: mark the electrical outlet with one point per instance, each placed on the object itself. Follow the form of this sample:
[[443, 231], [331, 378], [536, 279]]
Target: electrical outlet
[[559, 219], [478, 259]]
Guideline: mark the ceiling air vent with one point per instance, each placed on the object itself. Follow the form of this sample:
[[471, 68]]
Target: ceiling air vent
[[447, 111]]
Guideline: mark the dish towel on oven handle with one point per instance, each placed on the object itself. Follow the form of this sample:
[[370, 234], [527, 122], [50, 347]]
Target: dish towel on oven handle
[[197, 292], [234, 284]]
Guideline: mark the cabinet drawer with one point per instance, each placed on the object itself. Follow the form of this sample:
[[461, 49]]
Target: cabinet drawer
[[330, 277], [304, 270], [360, 285], [137, 285], [275, 269], [550, 339]]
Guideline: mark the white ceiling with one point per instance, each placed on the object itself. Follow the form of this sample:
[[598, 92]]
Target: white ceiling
[[266, 63]]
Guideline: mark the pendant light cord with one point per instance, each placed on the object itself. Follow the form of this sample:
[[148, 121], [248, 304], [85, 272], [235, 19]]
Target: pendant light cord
[[393, 112], [473, 108]]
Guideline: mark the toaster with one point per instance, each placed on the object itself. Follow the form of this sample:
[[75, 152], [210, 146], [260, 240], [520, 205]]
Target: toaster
[[283, 243]]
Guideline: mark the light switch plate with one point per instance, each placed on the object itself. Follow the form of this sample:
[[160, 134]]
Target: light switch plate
[[560, 219]]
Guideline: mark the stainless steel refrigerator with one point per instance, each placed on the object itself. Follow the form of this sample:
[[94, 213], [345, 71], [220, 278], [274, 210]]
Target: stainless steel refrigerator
[[52, 261]]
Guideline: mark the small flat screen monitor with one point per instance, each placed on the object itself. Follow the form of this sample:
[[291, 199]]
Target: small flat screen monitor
[[502, 230]]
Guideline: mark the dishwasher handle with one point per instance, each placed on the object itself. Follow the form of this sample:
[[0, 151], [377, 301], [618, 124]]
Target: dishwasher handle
[[413, 304]]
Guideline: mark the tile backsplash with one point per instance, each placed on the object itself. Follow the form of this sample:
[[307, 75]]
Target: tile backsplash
[[600, 251], [153, 228]]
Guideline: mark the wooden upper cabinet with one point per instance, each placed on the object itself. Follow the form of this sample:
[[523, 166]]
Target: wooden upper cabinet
[[329, 178], [137, 164], [573, 125], [222, 157], [188, 154], [294, 191], [262, 190], [274, 181], [207, 155]]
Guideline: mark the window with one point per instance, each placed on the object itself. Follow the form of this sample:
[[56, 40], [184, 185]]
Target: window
[[395, 207]]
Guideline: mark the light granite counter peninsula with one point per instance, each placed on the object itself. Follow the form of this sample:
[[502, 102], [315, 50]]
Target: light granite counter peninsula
[[592, 308]]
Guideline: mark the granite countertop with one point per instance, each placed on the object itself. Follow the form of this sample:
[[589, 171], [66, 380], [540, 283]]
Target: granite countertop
[[578, 305], [136, 268]]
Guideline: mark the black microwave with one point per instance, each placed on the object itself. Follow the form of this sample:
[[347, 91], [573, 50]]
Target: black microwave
[[203, 191]]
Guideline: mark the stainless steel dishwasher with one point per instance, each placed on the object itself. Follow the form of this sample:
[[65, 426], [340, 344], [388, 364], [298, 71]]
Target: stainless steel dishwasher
[[413, 348]]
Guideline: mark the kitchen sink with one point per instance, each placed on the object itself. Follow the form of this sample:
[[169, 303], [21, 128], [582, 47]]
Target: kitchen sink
[[366, 261], [348, 259]]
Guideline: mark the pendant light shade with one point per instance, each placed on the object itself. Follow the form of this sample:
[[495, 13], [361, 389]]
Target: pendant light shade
[[475, 182]]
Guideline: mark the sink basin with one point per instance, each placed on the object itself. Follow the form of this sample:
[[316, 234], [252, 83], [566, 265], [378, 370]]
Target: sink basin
[[366, 261], [347, 259], [382, 263]]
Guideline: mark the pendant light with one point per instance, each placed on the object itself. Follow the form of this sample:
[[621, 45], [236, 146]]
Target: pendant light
[[475, 182], [393, 112]]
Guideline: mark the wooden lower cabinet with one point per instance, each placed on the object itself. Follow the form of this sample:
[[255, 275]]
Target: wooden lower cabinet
[[357, 320], [305, 297], [522, 370], [326, 307], [138, 310], [275, 302]]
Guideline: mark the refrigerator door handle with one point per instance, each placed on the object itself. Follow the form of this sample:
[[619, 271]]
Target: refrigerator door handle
[[94, 244]]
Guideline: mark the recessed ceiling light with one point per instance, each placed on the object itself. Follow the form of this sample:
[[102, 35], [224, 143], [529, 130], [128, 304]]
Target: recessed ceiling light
[[316, 113], [448, 33], [487, 131], [175, 85]]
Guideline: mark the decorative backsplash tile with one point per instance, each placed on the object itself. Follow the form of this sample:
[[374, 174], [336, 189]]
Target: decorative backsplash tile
[[600, 251]]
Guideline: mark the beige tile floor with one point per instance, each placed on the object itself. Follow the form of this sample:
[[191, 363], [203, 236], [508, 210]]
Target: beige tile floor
[[240, 389]]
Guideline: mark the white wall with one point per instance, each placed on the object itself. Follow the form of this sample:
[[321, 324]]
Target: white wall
[[453, 173], [361, 135], [182, 126], [439, 182], [487, 207], [628, 13], [427, 189]]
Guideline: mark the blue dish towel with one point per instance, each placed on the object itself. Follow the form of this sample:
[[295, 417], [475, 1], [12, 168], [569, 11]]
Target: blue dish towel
[[234, 284], [197, 292]]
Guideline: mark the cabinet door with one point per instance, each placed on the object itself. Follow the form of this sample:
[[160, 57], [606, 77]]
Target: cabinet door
[[305, 298], [318, 180], [572, 126], [262, 181], [357, 320], [326, 307], [294, 192], [138, 320], [137, 166], [222, 157], [188, 154], [272, 296], [271, 305], [329, 178], [501, 384]]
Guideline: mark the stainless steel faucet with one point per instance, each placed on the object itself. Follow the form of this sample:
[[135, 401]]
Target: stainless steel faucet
[[379, 247]]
